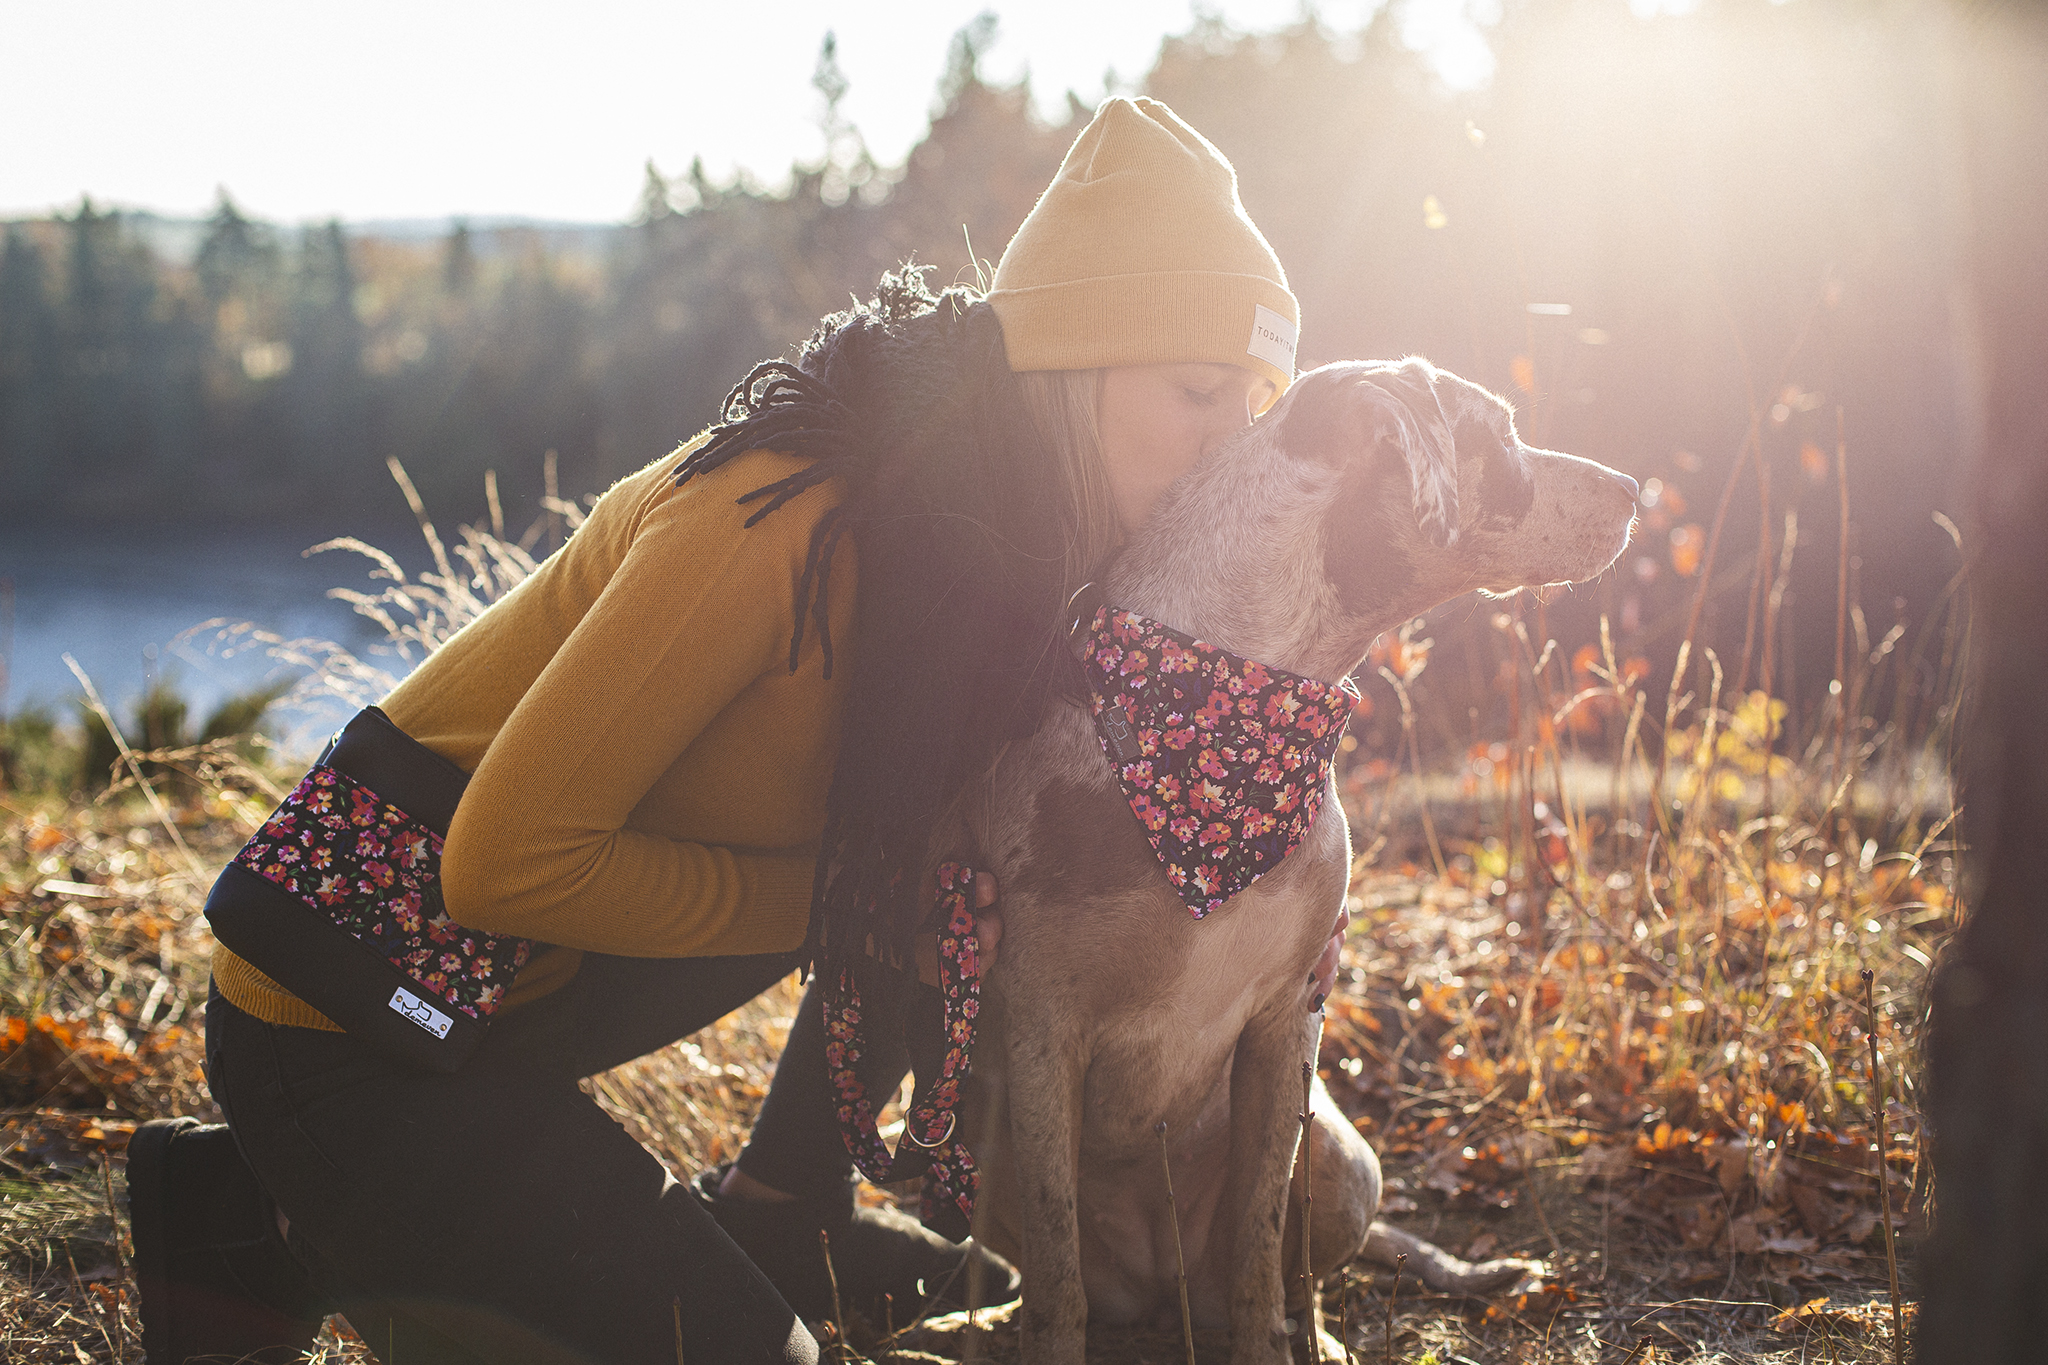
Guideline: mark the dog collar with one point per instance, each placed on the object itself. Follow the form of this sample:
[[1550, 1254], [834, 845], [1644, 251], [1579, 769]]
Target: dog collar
[[1224, 760]]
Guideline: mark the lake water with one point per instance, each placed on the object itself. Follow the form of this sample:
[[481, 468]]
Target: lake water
[[119, 604]]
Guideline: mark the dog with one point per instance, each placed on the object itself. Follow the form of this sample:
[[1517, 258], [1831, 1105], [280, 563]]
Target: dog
[[1370, 493]]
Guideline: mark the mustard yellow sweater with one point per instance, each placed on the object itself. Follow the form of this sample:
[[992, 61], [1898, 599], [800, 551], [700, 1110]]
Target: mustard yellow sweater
[[648, 778]]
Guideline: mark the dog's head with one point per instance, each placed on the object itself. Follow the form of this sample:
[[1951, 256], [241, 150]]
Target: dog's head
[[1370, 493], [1438, 495]]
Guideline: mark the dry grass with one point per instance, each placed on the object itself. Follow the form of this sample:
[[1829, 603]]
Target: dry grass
[[1602, 1004]]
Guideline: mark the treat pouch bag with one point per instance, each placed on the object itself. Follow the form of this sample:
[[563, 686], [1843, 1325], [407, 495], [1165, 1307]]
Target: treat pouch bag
[[338, 900]]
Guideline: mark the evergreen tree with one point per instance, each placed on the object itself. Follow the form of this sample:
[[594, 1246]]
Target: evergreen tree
[[234, 252], [458, 262], [655, 207], [323, 392], [29, 373], [848, 165], [108, 305], [963, 60]]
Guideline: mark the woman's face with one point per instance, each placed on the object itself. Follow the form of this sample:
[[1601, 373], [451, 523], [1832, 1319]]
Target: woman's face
[[1157, 420]]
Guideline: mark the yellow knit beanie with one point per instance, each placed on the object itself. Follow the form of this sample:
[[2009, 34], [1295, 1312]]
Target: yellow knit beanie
[[1140, 253]]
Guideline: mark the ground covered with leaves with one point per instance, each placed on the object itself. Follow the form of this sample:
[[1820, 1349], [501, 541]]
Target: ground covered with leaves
[[1673, 1110]]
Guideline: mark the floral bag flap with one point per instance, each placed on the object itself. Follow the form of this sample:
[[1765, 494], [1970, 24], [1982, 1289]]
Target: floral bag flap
[[338, 899]]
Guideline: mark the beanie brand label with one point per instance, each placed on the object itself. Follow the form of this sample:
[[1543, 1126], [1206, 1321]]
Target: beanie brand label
[[1273, 338]]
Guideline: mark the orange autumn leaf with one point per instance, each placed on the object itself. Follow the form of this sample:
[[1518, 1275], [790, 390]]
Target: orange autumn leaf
[[1587, 716], [1410, 656], [1688, 543]]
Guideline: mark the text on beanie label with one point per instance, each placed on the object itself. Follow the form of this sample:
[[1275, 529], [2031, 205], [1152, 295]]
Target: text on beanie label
[[1273, 338]]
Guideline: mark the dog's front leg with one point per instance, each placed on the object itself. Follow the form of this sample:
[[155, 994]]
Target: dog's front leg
[[1265, 1099], [1045, 1077]]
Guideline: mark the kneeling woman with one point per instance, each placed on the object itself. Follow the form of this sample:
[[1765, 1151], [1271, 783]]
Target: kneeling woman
[[696, 730]]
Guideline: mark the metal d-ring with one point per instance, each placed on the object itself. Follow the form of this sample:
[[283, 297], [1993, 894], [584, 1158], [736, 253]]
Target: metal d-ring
[[1081, 608], [952, 1117]]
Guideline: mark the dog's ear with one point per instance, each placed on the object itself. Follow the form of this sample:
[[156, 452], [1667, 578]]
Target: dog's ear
[[1392, 410], [1403, 401]]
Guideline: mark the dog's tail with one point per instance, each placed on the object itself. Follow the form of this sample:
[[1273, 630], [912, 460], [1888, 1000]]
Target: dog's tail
[[1440, 1270]]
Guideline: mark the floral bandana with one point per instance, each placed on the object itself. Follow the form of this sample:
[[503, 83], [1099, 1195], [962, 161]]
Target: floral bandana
[[1224, 760], [930, 1143]]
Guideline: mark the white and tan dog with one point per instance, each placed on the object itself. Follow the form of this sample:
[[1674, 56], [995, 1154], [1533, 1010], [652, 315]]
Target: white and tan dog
[[1370, 493]]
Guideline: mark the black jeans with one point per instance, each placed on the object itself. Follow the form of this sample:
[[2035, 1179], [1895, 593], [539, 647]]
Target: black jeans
[[497, 1214]]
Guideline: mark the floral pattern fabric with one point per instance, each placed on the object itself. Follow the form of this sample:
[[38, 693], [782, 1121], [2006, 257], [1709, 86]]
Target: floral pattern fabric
[[376, 873], [950, 1180], [1224, 760]]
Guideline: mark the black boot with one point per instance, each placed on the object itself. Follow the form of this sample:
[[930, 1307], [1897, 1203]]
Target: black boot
[[216, 1278], [889, 1265]]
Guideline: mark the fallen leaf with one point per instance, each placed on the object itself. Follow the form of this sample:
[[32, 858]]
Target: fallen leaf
[[1784, 1321], [1812, 462], [1688, 544]]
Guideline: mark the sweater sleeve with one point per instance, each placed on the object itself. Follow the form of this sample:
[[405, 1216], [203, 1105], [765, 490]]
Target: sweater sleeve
[[540, 846]]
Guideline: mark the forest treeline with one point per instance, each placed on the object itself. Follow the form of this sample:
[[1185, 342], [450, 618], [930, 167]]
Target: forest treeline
[[1648, 232]]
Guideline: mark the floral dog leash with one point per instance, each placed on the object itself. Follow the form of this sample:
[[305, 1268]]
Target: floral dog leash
[[931, 1143]]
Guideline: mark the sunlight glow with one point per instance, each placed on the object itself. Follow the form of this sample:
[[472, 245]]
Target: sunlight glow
[[383, 109]]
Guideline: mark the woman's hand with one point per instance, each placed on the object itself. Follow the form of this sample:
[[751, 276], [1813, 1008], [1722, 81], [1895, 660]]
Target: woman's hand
[[1325, 974], [988, 932]]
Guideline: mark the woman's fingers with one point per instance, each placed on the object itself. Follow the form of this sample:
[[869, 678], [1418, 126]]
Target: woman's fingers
[[988, 932]]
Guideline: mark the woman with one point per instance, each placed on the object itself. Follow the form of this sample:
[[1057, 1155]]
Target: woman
[[673, 731]]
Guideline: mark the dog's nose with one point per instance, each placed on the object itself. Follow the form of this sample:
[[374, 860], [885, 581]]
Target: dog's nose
[[1635, 490]]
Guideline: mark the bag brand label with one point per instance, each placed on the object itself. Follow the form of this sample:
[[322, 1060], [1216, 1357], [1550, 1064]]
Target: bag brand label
[[1273, 338], [421, 1013]]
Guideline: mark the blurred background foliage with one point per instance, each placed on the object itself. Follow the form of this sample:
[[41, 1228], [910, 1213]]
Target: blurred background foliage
[[1652, 233]]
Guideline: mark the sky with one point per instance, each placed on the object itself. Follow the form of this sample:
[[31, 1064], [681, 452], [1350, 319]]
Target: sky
[[383, 109]]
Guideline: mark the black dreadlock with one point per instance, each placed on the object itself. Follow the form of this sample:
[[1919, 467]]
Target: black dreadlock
[[961, 524]]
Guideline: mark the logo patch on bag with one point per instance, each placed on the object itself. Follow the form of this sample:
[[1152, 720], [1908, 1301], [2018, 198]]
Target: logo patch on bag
[[421, 1013]]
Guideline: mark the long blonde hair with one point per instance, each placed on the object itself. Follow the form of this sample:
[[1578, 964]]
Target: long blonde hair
[[1064, 405]]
